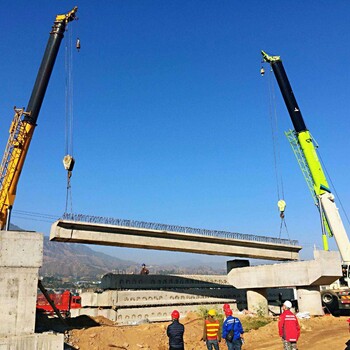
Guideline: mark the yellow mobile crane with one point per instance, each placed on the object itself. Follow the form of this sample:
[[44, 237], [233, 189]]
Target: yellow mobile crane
[[24, 121]]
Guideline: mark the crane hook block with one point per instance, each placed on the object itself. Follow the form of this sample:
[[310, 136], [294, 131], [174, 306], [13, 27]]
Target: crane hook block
[[68, 162], [281, 206], [77, 45], [262, 71]]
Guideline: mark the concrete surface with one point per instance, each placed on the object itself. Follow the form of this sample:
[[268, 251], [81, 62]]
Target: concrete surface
[[257, 301], [114, 298], [308, 275], [103, 234], [156, 282], [139, 315], [309, 299], [21, 255], [42, 341], [323, 270]]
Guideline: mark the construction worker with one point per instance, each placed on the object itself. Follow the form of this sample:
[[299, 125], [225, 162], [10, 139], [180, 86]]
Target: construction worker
[[175, 332], [232, 331], [288, 327], [144, 270], [211, 331]]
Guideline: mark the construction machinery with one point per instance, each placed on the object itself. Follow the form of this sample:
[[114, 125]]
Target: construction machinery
[[305, 150], [24, 121], [63, 302]]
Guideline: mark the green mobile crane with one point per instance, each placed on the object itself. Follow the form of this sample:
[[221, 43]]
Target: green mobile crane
[[305, 151], [24, 121]]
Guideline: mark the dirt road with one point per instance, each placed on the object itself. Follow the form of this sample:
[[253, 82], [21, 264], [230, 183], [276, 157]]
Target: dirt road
[[321, 333]]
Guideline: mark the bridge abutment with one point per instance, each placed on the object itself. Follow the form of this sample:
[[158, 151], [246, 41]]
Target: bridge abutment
[[21, 256]]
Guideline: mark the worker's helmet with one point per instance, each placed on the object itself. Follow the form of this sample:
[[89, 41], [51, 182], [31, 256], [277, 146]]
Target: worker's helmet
[[175, 315], [228, 312], [212, 312], [143, 265], [287, 304], [226, 306]]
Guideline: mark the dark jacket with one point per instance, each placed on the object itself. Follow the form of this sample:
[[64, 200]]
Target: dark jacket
[[175, 332]]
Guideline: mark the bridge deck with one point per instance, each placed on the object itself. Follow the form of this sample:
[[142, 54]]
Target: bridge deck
[[135, 234]]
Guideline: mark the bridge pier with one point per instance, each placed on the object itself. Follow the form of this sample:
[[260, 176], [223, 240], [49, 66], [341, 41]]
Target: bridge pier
[[257, 301], [309, 299], [306, 276]]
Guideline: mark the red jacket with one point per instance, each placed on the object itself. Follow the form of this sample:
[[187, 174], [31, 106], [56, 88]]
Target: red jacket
[[288, 326]]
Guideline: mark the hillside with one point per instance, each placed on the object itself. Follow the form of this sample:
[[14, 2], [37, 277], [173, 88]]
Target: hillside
[[82, 262], [79, 261]]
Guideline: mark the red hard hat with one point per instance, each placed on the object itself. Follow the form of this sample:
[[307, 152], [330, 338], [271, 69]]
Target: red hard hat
[[175, 314], [228, 312], [226, 306]]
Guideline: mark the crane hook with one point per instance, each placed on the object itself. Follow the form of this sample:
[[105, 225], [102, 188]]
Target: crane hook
[[77, 45], [281, 206], [262, 71]]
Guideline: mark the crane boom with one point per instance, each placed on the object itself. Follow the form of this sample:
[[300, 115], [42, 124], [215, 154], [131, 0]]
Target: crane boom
[[329, 211], [24, 121]]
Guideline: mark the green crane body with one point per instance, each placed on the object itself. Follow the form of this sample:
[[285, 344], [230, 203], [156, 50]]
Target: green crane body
[[303, 136]]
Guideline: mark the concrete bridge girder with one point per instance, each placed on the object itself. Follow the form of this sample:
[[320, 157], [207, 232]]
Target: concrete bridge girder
[[92, 233]]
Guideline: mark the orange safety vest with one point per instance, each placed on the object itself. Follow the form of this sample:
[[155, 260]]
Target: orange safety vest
[[212, 329]]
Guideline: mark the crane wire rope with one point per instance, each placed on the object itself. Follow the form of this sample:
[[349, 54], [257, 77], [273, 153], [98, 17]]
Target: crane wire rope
[[69, 118], [276, 152]]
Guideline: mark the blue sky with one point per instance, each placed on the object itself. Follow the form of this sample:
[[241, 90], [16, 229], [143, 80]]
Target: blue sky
[[171, 115]]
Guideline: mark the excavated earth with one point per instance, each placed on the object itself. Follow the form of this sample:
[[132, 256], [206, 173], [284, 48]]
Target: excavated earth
[[321, 333]]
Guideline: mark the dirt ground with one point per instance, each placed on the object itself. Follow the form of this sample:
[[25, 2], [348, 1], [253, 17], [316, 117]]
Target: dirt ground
[[321, 333]]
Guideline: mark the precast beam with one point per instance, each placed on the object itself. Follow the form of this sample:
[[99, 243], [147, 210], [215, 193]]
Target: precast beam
[[112, 235]]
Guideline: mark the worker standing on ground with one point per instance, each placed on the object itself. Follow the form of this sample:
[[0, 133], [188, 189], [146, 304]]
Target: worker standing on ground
[[211, 331], [175, 332], [144, 270], [232, 331], [288, 327]]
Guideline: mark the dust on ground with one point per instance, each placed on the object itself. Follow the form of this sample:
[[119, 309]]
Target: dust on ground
[[321, 333]]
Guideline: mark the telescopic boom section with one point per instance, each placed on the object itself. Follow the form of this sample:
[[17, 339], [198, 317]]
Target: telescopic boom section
[[24, 122], [286, 90]]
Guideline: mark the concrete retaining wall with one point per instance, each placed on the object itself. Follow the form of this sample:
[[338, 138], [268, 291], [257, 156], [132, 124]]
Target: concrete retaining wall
[[21, 256], [33, 341]]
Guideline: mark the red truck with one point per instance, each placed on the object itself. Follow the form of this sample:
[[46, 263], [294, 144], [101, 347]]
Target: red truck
[[64, 302]]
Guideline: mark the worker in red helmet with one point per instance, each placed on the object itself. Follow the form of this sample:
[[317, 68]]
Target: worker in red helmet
[[232, 331], [175, 332], [226, 306]]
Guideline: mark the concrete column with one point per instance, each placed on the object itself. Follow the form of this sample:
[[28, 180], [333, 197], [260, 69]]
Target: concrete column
[[309, 300], [257, 301]]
